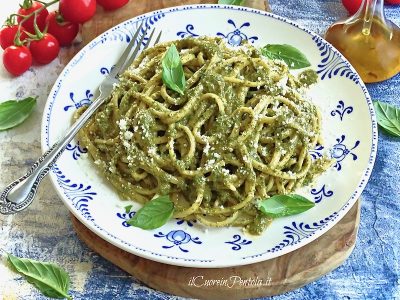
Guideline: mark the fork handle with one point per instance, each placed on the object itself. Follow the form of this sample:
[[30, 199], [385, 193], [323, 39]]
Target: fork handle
[[19, 194]]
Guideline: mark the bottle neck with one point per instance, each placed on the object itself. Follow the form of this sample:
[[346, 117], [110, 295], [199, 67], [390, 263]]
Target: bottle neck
[[370, 10]]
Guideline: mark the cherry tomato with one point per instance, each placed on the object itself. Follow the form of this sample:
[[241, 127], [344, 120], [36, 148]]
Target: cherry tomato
[[17, 59], [45, 50], [7, 35], [352, 6], [112, 4], [77, 11], [64, 32], [40, 17], [393, 1]]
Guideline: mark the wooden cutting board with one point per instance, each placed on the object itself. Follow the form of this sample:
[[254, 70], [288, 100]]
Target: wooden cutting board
[[271, 277]]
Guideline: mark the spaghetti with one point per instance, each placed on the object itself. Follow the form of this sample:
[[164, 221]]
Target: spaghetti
[[241, 132]]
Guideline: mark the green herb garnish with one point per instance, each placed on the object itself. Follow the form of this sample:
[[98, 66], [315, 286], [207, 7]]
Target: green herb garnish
[[231, 2], [172, 72], [388, 117], [289, 54], [50, 279], [14, 112], [153, 214], [128, 208], [285, 205]]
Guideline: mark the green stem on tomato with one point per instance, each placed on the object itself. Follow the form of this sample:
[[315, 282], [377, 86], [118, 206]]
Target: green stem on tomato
[[10, 21], [59, 18], [26, 4], [38, 34], [17, 38], [26, 17], [42, 2], [49, 3], [12, 17]]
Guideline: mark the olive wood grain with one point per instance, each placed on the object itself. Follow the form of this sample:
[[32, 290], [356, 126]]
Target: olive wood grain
[[279, 275]]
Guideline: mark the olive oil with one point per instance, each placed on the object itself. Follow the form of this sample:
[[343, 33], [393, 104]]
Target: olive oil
[[369, 42]]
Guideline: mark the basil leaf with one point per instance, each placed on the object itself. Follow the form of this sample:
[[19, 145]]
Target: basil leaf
[[285, 205], [172, 72], [388, 117], [13, 112], [153, 214], [128, 208], [231, 2], [50, 279], [289, 54]]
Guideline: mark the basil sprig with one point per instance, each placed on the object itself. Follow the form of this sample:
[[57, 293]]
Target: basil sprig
[[172, 70], [14, 112], [153, 214], [285, 205], [289, 54], [231, 2], [388, 117], [50, 279]]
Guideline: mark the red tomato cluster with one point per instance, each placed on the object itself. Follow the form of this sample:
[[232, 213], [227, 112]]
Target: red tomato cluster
[[24, 43], [352, 6]]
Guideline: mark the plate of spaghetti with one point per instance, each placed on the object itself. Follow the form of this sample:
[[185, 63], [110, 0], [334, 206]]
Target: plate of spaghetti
[[217, 148]]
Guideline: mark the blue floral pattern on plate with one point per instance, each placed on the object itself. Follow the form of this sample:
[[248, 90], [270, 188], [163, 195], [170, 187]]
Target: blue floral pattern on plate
[[332, 64], [76, 150], [190, 223], [317, 152], [321, 193], [178, 238], [238, 242], [125, 33], [296, 232], [79, 103], [237, 36], [78, 193], [105, 71], [340, 151], [126, 216], [341, 110], [188, 32]]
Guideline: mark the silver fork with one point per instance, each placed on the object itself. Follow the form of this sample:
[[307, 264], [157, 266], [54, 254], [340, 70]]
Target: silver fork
[[19, 194]]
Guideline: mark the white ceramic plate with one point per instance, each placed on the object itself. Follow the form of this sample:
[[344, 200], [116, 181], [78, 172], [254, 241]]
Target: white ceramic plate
[[349, 126]]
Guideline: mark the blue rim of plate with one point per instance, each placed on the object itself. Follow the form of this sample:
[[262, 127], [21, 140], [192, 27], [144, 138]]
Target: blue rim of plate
[[282, 249]]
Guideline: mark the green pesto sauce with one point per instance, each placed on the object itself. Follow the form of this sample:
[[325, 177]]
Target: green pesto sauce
[[308, 77], [223, 154], [259, 224]]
